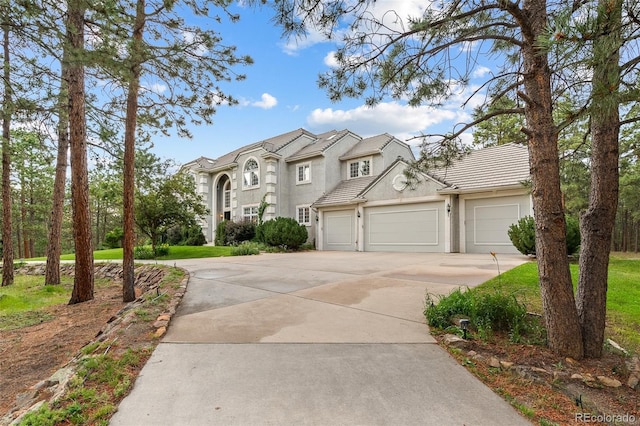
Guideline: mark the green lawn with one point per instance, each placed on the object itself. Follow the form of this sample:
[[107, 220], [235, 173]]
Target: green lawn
[[623, 296], [175, 252], [22, 303]]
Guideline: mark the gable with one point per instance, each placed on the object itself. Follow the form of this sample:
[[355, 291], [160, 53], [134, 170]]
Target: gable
[[392, 185]]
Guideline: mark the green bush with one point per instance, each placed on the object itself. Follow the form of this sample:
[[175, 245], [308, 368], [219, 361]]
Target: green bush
[[487, 313], [221, 233], [246, 248], [284, 232], [113, 238], [162, 250], [186, 235], [573, 235], [523, 235], [146, 252], [143, 252], [237, 232]]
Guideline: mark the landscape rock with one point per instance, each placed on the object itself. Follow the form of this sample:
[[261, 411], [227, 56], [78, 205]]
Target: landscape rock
[[455, 341], [633, 381], [52, 389], [539, 370], [609, 382], [506, 365], [494, 362], [617, 347]]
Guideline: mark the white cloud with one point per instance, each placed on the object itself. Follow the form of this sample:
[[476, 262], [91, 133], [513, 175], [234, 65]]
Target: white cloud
[[198, 48], [293, 44], [157, 88], [481, 71], [268, 101], [400, 120], [393, 13], [330, 59]]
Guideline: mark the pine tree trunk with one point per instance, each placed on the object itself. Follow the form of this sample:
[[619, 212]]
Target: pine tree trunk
[[128, 278], [83, 278], [561, 319], [54, 245], [7, 238], [598, 221]]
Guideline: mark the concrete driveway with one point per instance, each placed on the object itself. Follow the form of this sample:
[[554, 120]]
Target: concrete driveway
[[317, 338]]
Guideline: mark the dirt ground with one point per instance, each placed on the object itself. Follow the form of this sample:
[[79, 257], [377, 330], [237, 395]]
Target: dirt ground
[[32, 354], [542, 382]]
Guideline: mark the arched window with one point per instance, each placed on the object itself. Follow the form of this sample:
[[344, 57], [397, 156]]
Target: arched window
[[251, 174]]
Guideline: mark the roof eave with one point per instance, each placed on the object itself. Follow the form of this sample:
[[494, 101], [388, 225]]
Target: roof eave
[[360, 154], [351, 202], [455, 190], [303, 156]]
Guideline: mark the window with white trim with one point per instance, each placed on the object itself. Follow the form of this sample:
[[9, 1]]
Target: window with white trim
[[250, 213], [251, 174], [304, 215], [359, 168], [303, 173], [227, 196]]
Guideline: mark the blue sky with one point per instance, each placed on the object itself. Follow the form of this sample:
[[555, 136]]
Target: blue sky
[[280, 94]]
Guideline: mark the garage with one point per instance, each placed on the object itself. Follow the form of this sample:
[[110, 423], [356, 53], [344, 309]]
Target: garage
[[338, 228], [410, 228], [487, 222]]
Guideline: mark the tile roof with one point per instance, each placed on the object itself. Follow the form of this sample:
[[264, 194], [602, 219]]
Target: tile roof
[[372, 145], [346, 191], [272, 145], [205, 162], [324, 141], [493, 167]]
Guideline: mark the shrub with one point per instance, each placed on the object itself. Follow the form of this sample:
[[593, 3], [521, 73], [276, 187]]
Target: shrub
[[284, 232], [146, 252], [221, 234], [162, 250], [573, 235], [246, 248], [237, 232], [113, 238], [186, 235], [143, 252], [523, 235], [487, 312]]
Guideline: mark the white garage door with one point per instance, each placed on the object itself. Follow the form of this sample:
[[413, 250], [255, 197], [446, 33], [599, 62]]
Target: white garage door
[[413, 227], [339, 230], [487, 222]]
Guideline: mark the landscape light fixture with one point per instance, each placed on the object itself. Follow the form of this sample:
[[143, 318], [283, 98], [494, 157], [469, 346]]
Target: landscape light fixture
[[464, 325]]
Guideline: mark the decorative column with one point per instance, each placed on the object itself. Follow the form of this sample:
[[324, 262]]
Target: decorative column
[[271, 183]]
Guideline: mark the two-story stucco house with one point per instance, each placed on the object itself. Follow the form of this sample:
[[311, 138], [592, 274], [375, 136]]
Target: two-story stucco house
[[351, 194], [291, 171]]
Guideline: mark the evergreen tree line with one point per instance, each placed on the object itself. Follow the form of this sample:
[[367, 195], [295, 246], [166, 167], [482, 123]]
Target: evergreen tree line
[[107, 76], [574, 152]]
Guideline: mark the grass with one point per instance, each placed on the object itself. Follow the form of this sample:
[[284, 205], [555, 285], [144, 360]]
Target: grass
[[92, 396], [623, 296], [108, 369], [175, 253], [22, 304]]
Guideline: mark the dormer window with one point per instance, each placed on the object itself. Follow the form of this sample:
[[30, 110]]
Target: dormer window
[[359, 168], [251, 174]]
